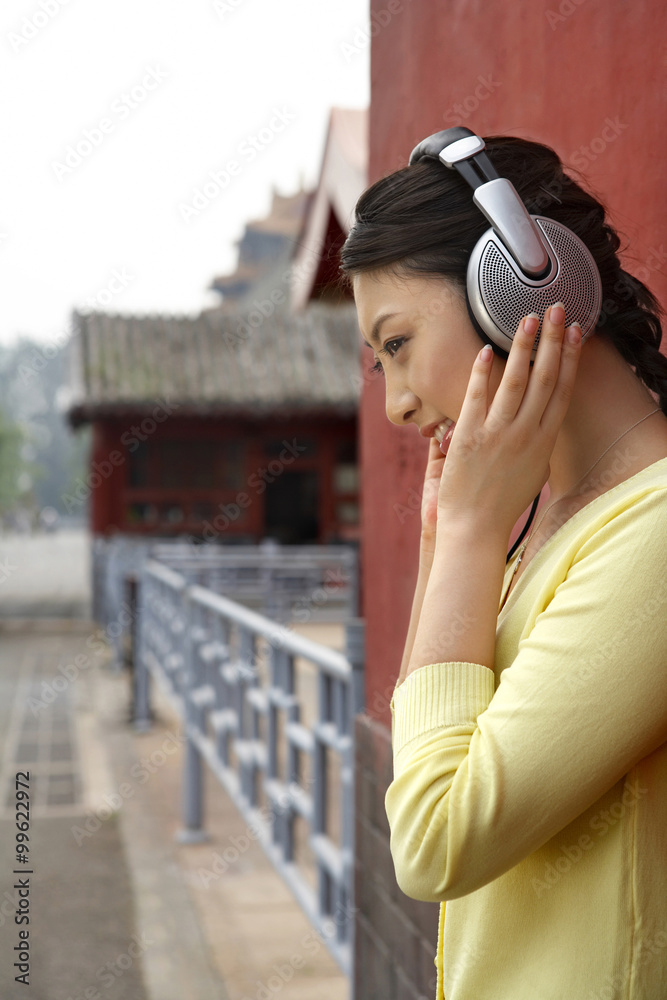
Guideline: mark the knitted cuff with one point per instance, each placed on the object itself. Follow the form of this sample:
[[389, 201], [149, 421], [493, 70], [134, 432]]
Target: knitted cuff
[[437, 696]]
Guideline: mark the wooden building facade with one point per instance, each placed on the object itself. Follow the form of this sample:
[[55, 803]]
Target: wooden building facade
[[203, 428]]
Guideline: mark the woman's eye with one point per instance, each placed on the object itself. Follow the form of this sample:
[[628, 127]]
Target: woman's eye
[[385, 349], [377, 367]]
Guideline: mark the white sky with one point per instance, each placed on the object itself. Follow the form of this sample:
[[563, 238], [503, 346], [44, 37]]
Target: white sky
[[219, 70]]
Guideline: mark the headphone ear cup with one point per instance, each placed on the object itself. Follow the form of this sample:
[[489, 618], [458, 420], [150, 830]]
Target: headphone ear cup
[[500, 294]]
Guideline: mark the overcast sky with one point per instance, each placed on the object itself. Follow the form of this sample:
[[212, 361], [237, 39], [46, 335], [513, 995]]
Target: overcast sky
[[115, 112]]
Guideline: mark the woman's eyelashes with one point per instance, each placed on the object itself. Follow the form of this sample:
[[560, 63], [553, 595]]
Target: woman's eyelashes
[[377, 367]]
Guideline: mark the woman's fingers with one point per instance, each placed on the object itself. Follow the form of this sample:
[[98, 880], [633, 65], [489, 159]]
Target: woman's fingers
[[536, 397], [475, 403], [512, 389], [559, 401], [432, 476], [553, 375], [529, 393]]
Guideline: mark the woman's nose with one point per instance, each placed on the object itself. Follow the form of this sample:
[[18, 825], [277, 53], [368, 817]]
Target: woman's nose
[[400, 407]]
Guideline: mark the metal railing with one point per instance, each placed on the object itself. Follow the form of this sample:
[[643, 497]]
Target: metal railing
[[232, 675], [300, 582], [284, 582]]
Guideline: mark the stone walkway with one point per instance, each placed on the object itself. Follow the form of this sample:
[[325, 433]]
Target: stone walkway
[[83, 934]]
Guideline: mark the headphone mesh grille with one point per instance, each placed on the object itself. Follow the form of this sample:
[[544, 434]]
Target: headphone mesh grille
[[508, 300]]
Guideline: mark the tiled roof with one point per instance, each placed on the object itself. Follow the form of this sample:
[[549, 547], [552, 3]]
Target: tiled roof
[[217, 363]]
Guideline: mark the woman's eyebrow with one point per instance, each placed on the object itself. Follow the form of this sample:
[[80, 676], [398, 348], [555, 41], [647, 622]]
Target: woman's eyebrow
[[375, 334]]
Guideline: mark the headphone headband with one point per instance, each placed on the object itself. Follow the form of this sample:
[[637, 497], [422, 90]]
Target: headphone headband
[[458, 144], [496, 197]]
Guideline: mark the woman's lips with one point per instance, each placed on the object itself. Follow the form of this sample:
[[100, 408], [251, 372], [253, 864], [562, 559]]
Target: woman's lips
[[443, 433]]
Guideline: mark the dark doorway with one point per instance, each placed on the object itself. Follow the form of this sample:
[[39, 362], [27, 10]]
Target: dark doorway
[[291, 508]]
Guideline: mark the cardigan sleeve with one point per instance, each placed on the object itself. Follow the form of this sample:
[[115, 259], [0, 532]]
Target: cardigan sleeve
[[483, 777]]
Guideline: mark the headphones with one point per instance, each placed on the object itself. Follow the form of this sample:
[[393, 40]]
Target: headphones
[[522, 264]]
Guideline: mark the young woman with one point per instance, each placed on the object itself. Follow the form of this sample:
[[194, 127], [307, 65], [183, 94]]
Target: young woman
[[529, 718]]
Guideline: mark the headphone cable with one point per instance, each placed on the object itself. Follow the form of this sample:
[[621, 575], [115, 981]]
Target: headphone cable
[[525, 528]]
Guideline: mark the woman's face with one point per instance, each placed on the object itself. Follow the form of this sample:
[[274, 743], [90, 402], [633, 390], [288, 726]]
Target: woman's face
[[426, 349]]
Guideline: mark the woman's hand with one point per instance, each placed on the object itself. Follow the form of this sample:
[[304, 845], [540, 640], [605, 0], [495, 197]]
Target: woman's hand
[[498, 457], [432, 477]]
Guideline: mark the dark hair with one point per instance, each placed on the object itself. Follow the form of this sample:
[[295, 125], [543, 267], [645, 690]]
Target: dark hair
[[422, 219]]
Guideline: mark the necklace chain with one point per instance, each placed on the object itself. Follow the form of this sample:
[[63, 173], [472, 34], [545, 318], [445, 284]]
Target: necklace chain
[[523, 547]]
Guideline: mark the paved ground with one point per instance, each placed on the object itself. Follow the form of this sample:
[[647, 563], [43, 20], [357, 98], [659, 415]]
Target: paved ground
[[119, 908]]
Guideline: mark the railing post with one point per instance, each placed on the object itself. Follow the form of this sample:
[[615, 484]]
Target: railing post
[[193, 776], [355, 653], [193, 831], [141, 709]]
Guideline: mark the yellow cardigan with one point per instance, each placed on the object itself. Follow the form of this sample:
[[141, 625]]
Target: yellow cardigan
[[533, 798]]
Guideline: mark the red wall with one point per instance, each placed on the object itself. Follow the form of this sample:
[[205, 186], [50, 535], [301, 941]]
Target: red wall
[[555, 71]]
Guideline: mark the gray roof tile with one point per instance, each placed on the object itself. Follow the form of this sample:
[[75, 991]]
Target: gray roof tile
[[215, 363]]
